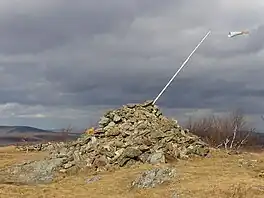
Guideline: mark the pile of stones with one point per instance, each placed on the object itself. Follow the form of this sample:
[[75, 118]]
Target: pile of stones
[[131, 135]]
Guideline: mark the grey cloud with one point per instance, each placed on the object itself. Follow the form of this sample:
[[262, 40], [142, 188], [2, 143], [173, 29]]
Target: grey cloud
[[41, 116], [83, 88], [220, 46], [255, 43], [68, 55], [252, 92], [184, 92], [63, 21]]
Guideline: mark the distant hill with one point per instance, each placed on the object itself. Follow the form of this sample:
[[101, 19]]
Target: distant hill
[[22, 134], [19, 129]]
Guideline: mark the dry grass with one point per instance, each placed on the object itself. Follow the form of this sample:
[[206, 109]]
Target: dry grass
[[9, 155], [218, 176]]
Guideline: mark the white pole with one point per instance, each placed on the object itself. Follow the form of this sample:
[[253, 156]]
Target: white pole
[[181, 67]]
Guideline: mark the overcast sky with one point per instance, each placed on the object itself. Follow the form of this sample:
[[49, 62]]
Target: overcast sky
[[65, 62]]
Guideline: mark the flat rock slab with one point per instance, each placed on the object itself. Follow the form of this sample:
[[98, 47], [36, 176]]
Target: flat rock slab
[[32, 172], [154, 177]]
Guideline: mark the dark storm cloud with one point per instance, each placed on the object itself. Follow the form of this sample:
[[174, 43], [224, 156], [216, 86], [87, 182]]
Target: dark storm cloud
[[200, 91], [87, 53], [60, 22]]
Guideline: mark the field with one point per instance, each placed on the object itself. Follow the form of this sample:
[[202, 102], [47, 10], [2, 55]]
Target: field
[[220, 175]]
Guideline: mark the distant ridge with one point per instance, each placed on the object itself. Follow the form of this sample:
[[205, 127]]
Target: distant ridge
[[20, 129], [26, 134]]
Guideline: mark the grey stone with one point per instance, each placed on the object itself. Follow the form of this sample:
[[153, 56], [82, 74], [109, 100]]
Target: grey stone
[[111, 124], [116, 118], [154, 177], [112, 133], [93, 179], [130, 105], [62, 152], [144, 157], [62, 170], [104, 121], [68, 165], [157, 158], [35, 172], [76, 155], [147, 103], [131, 152], [175, 195], [123, 161]]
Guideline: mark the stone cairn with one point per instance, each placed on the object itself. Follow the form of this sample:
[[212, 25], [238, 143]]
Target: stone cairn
[[132, 134]]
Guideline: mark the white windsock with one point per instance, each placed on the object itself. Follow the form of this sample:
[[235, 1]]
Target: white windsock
[[233, 34]]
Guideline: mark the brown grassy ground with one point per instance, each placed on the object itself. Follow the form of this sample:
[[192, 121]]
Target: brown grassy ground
[[218, 176]]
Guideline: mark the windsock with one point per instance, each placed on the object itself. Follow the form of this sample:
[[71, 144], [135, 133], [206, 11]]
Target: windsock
[[233, 34]]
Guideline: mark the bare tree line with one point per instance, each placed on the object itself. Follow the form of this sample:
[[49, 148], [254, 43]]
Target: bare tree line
[[231, 131]]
